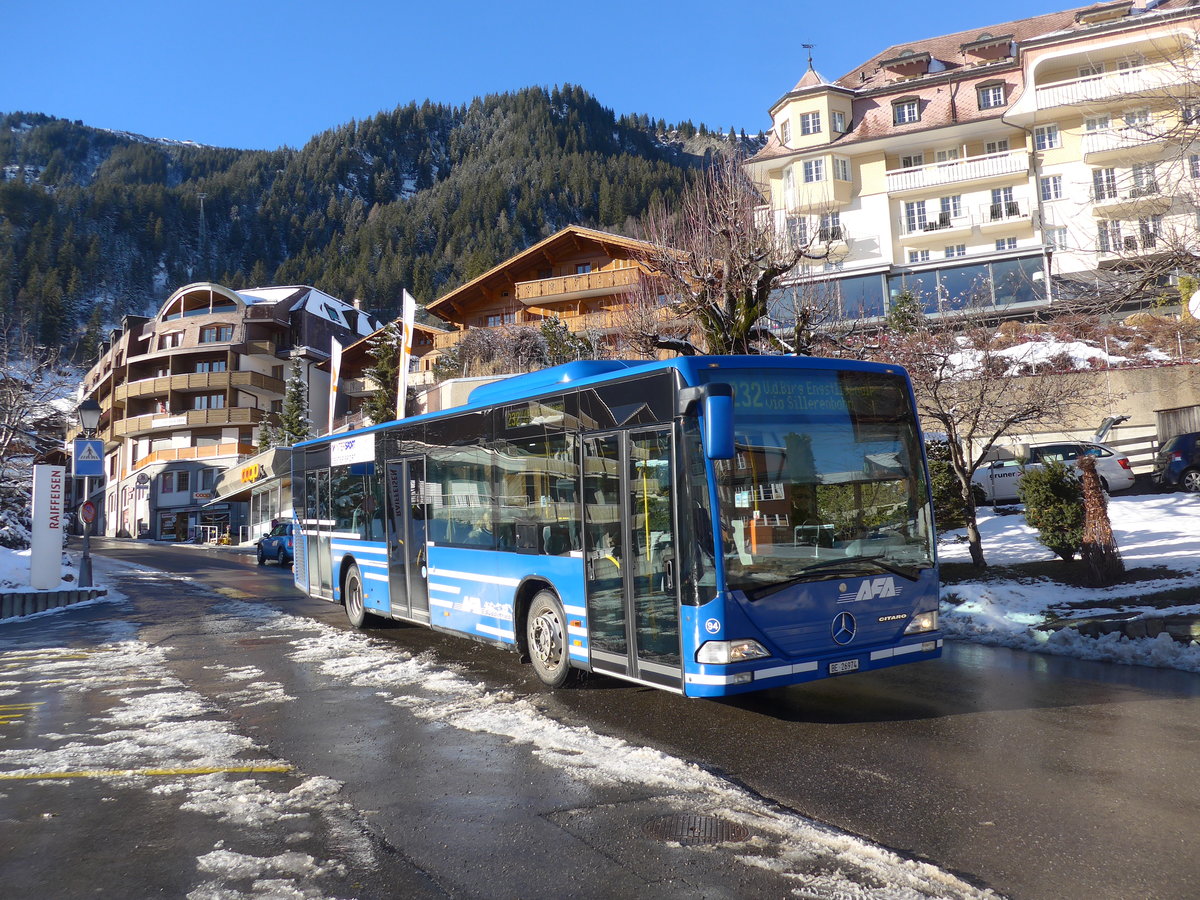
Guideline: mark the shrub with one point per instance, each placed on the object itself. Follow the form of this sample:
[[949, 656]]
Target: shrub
[[949, 512], [1053, 502]]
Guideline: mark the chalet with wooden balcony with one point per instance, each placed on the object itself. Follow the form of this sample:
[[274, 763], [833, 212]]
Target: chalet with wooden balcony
[[582, 277], [184, 393]]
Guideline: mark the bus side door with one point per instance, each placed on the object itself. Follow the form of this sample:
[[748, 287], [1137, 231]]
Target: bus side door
[[631, 571], [407, 565]]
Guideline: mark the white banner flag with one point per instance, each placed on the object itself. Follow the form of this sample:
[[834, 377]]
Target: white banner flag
[[408, 320], [335, 375]]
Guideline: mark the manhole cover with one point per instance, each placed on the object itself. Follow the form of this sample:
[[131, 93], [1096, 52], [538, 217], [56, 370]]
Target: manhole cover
[[689, 829]]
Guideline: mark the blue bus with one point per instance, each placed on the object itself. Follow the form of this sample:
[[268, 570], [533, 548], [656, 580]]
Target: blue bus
[[705, 525]]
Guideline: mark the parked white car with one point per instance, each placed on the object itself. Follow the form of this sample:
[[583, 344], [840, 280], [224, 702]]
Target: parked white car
[[999, 478]]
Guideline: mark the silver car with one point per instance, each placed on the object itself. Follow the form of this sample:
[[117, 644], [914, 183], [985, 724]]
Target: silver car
[[999, 478]]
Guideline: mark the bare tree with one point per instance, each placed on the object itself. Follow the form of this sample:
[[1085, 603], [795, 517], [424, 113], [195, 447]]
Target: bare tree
[[33, 384], [32, 378], [965, 377], [715, 261]]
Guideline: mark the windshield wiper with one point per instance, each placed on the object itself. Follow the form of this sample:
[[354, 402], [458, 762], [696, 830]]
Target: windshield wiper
[[903, 571], [838, 567]]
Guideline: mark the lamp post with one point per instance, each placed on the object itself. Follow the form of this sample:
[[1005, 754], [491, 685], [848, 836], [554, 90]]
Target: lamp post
[[88, 413]]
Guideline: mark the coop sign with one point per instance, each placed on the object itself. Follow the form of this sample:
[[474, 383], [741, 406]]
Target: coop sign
[[253, 472], [357, 449]]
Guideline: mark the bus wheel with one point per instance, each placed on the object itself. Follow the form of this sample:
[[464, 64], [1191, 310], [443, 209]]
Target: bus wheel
[[352, 597], [546, 634]]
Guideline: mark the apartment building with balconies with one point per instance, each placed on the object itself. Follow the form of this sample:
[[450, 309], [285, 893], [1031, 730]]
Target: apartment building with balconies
[[988, 164], [583, 277], [185, 392]]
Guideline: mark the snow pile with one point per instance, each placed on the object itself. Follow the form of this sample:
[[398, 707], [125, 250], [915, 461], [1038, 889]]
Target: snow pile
[[14, 570], [1046, 355], [1152, 531]]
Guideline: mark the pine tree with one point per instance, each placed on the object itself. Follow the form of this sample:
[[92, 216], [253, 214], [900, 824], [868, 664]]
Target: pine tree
[[294, 424], [384, 371]]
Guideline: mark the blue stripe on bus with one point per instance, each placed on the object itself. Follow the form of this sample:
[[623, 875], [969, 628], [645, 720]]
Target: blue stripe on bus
[[472, 591], [371, 558]]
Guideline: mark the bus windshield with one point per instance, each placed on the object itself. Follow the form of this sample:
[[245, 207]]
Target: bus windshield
[[828, 479]]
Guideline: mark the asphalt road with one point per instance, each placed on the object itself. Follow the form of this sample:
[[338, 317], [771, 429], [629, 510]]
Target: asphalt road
[[1035, 776]]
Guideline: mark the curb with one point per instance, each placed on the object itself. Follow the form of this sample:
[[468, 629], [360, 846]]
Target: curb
[[14, 604], [1182, 628]]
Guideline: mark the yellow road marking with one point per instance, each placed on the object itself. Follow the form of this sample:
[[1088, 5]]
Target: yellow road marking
[[13, 711], [53, 654], [119, 773]]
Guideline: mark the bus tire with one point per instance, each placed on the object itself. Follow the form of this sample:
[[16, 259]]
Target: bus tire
[[546, 636], [352, 597]]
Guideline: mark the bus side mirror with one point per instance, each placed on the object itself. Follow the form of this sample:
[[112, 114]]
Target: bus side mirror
[[718, 425], [715, 402]]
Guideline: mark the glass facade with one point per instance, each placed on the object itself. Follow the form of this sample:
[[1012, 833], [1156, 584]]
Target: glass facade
[[988, 284]]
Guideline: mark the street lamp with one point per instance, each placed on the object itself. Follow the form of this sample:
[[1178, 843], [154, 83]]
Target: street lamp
[[88, 413]]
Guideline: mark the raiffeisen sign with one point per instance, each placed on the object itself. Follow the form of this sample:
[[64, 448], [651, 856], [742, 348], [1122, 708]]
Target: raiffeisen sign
[[49, 518]]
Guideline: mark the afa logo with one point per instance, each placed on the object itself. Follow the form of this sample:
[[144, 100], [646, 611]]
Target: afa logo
[[870, 589]]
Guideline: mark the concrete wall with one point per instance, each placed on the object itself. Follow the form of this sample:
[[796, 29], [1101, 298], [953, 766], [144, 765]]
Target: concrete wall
[[1137, 393]]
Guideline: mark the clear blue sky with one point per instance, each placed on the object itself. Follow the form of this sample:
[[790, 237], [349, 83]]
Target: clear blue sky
[[266, 73]]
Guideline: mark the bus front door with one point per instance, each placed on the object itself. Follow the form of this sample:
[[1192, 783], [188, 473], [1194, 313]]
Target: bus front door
[[317, 524], [407, 509], [632, 581]]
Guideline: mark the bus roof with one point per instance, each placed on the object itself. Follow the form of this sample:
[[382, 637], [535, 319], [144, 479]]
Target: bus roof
[[583, 373]]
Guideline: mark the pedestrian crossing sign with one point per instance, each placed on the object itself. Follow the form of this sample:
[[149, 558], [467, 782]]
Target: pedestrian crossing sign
[[88, 459]]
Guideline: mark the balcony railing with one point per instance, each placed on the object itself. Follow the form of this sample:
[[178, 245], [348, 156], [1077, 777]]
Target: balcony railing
[[175, 454], [199, 381], [1002, 212], [935, 222], [954, 171], [192, 418], [1130, 139], [573, 287], [1126, 244], [1113, 199], [1112, 84]]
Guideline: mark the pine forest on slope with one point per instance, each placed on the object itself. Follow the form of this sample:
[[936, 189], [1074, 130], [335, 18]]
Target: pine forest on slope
[[97, 224]]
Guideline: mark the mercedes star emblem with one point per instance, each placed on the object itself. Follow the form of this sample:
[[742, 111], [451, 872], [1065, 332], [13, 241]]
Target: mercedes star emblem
[[844, 627]]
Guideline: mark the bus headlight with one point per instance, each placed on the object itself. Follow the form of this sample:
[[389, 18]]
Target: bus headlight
[[722, 653], [922, 622]]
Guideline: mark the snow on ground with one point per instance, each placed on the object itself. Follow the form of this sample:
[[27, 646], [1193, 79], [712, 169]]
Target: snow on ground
[[1033, 355], [146, 720], [821, 862], [1161, 530], [14, 571]]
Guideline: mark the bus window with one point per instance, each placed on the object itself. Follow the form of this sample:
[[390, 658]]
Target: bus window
[[458, 481], [538, 469], [357, 499]]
